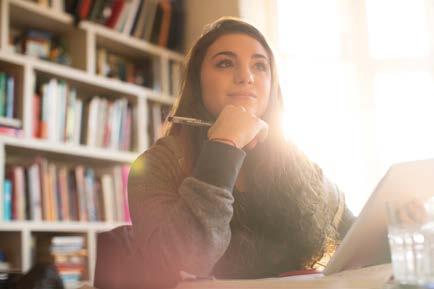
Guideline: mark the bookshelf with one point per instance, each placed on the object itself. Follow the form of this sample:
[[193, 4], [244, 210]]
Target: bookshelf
[[20, 238]]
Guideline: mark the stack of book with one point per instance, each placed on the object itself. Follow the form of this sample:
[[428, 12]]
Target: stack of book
[[157, 21], [61, 116], [109, 124], [8, 108], [7, 95], [69, 255], [40, 44], [140, 72], [57, 114], [52, 192], [57, 5]]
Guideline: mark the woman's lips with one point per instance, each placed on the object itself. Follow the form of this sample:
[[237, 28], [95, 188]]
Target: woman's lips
[[242, 95]]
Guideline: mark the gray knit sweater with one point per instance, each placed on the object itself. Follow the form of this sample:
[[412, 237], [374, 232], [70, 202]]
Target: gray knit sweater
[[182, 223]]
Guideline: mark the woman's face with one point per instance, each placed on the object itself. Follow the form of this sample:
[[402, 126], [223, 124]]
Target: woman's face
[[236, 70]]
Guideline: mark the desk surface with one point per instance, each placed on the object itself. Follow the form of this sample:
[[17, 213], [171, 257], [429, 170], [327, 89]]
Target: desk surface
[[373, 277]]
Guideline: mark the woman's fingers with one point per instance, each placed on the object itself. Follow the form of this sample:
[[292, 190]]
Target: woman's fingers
[[238, 125]]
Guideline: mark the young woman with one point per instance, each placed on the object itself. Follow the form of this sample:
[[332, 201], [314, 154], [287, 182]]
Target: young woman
[[235, 200]]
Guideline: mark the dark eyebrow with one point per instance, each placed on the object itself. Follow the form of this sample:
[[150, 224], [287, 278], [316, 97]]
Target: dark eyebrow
[[227, 53], [257, 55], [233, 55]]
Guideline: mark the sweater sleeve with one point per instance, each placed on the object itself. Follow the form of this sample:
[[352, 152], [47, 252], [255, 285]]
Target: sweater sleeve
[[343, 218], [182, 227]]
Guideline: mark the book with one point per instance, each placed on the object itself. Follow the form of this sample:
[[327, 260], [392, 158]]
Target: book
[[140, 25], [89, 191], [7, 200], [9, 131], [36, 116], [81, 193], [166, 8], [37, 43], [2, 93], [73, 197], [34, 186], [109, 197], [96, 10], [64, 194], [117, 7], [154, 34], [84, 9], [10, 96], [119, 198], [134, 8], [18, 194], [150, 19], [52, 193], [44, 181], [119, 26], [176, 30], [78, 116]]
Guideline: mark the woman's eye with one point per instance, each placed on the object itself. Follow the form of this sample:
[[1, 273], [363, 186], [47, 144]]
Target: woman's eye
[[261, 66], [224, 63]]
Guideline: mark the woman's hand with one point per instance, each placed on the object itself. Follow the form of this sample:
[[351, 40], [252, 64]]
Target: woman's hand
[[239, 126], [412, 212]]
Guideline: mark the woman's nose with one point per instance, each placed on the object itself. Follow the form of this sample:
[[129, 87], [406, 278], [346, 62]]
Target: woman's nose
[[243, 75]]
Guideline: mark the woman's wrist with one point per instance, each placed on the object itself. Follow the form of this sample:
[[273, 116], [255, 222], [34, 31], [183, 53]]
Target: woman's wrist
[[224, 140]]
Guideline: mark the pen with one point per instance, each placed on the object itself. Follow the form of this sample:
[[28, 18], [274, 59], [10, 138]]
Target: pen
[[189, 121]]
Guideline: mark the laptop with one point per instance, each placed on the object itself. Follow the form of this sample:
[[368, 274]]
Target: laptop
[[366, 242]]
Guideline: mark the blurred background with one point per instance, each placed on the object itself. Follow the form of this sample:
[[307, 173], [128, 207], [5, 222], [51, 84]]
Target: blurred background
[[85, 86], [357, 78]]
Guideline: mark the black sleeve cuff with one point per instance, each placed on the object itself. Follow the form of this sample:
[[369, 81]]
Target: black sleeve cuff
[[219, 164]]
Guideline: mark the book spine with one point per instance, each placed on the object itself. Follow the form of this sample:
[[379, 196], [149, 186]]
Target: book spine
[[2, 93], [81, 194], [90, 195], [108, 197], [7, 200], [35, 192], [10, 96], [78, 120]]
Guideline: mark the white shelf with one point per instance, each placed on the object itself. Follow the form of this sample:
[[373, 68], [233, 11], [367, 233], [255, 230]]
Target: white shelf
[[69, 149], [118, 41], [58, 226], [83, 42], [25, 13], [11, 122], [80, 77], [159, 97]]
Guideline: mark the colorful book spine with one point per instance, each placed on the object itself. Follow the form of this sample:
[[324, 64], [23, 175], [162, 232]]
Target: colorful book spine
[[34, 186], [10, 96], [2, 93], [7, 200]]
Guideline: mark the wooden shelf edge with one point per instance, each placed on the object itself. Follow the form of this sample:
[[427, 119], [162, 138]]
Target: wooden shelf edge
[[130, 41], [10, 122], [70, 149], [59, 16], [58, 226]]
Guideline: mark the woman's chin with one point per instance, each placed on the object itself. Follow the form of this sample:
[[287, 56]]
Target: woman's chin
[[248, 104]]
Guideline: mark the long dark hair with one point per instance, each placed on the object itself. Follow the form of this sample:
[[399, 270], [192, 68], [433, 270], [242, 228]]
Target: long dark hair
[[277, 172]]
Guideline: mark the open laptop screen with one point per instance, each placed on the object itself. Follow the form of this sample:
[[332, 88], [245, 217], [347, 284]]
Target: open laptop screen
[[366, 242]]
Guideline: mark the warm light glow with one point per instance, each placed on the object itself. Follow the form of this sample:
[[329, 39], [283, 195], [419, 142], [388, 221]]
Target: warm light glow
[[397, 28], [405, 116], [304, 26], [350, 114], [321, 119]]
